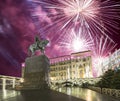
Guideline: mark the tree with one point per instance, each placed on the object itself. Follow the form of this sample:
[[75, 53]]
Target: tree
[[110, 79]]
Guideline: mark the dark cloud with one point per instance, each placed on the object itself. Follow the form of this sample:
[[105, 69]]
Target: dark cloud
[[16, 33]]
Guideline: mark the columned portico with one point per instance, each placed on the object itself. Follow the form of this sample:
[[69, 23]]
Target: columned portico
[[8, 80], [13, 83], [3, 83]]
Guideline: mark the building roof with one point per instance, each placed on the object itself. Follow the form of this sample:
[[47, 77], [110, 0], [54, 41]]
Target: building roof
[[78, 54]]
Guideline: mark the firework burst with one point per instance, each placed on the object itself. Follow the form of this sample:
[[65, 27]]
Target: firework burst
[[62, 15], [101, 50], [80, 9], [75, 41], [92, 18]]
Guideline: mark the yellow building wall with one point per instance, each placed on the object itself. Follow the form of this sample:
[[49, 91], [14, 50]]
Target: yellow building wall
[[71, 69]]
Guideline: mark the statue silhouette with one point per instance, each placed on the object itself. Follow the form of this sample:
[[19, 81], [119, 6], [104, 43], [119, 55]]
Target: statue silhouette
[[38, 45]]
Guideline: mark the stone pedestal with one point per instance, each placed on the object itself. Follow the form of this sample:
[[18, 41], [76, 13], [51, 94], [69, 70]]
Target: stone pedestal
[[36, 74]]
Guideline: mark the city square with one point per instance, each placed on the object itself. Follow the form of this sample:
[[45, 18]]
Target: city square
[[59, 50]]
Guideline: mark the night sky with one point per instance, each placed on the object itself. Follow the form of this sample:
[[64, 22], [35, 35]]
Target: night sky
[[21, 20]]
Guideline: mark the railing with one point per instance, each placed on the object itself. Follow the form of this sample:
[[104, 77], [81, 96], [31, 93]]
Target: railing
[[107, 91], [78, 81]]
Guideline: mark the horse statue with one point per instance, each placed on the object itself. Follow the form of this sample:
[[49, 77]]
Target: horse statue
[[38, 45]]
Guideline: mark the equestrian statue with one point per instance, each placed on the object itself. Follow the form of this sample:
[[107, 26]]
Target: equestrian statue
[[38, 45]]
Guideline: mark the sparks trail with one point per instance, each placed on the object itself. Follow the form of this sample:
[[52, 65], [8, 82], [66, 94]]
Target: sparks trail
[[103, 46], [91, 14]]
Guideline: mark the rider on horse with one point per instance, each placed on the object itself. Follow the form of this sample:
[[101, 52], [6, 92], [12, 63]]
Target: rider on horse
[[38, 45]]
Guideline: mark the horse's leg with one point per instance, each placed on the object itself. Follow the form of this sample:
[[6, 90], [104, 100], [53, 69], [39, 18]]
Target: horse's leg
[[29, 51], [33, 51], [42, 51]]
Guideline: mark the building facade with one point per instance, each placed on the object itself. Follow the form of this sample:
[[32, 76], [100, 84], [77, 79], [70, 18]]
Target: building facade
[[112, 61], [74, 66]]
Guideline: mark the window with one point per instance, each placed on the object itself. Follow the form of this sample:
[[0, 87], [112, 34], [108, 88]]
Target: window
[[84, 59]]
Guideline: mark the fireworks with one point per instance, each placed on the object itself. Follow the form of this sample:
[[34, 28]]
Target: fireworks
[[75, 41], [103, 46], [93, 18], [80, 9], [62, 15], [78, 25]]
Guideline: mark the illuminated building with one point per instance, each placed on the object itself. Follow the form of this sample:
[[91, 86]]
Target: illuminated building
[[74, 66], [112, 62], [8, 82]]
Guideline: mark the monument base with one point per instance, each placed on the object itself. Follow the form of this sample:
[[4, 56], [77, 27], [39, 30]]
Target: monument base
[[36, 74]]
